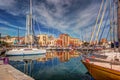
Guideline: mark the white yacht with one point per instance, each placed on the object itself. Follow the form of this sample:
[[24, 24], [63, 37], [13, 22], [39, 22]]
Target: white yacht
[[25, 52], [29, 37]]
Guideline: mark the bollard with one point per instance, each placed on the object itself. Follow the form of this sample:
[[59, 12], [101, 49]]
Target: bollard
[[5, 60]]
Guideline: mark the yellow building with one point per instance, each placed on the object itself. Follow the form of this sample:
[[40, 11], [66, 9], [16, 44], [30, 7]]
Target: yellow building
[[43, 39], [29, 39], [75, 42], [10, 40], [51, 41]]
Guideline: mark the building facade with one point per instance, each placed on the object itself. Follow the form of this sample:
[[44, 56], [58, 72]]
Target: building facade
[[65, 40], [43, 39]]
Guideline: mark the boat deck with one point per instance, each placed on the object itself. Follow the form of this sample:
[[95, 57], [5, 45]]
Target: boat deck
[[107, 65], [7, 72], [107, 62]]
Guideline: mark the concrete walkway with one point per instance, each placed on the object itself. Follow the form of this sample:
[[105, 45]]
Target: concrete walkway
[[7, 72]]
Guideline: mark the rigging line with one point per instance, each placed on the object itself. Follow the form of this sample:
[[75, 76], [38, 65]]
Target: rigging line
[[37, 24], [104, 26], [111, 23], [118, 22], [94, 28], [101, 21], [33, 30], [116, 2], [108, 33], [115, 19], [26, 26], [114, 24]]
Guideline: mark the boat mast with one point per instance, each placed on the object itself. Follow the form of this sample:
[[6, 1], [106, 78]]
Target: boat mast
[[118, 20], [18, 34], [29, 34], [30, 15]]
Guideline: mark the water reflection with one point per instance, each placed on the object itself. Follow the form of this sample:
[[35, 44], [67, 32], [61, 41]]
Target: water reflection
[[56, 65], [63, 56]]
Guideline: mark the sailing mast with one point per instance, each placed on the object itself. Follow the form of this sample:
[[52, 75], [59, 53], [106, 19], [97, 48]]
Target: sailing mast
[[18, 35], [30, 15], [118, 20], [29, 34]]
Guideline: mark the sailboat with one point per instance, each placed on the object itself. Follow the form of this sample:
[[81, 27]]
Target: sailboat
[[29, 39], [105, 64]]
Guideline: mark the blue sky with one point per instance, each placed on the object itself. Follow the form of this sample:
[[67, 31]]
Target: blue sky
[[53, 17]]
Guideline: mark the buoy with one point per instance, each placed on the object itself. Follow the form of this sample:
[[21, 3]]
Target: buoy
[[87, 60], [5, 60]]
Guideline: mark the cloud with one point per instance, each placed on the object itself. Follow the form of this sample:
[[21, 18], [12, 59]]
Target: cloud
[[60, 15], [11, 25], [67, 16], [14, 7], [4, 4]]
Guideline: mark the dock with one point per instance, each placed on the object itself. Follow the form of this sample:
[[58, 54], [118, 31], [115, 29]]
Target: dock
[[7, 72]]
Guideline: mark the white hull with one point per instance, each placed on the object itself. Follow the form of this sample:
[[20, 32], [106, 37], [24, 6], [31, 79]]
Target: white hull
[[23, 52]]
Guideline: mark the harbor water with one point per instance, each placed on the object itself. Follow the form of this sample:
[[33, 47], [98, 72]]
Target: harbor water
[[54, 65]]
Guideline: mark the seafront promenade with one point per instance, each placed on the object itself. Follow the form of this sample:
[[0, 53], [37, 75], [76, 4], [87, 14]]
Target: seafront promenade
[[7, 72]]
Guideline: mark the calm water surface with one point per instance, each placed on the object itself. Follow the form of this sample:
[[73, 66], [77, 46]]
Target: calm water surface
[[54, 65]]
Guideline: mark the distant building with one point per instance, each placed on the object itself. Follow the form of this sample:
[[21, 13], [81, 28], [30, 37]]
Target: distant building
[[103, 40], [43, 39], [13, 40], [3, 39], [51, 41], [65, 39], [29, 39], [58, 42], [74, 42]]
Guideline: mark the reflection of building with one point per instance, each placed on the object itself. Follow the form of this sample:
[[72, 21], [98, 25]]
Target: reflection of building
[[63, 56], [43, 40]]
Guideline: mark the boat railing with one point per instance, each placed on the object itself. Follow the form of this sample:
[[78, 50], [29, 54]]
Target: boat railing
[[112, 62]]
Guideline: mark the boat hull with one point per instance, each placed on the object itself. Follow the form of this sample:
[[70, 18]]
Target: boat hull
[[102, 73], [25, 52]]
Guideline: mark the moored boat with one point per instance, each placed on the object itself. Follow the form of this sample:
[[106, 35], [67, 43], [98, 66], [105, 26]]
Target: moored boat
[[102, 73], [30, 40], [25, 51], [105, 65]]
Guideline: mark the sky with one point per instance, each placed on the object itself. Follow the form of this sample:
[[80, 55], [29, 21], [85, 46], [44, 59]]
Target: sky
[[53, 17]]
